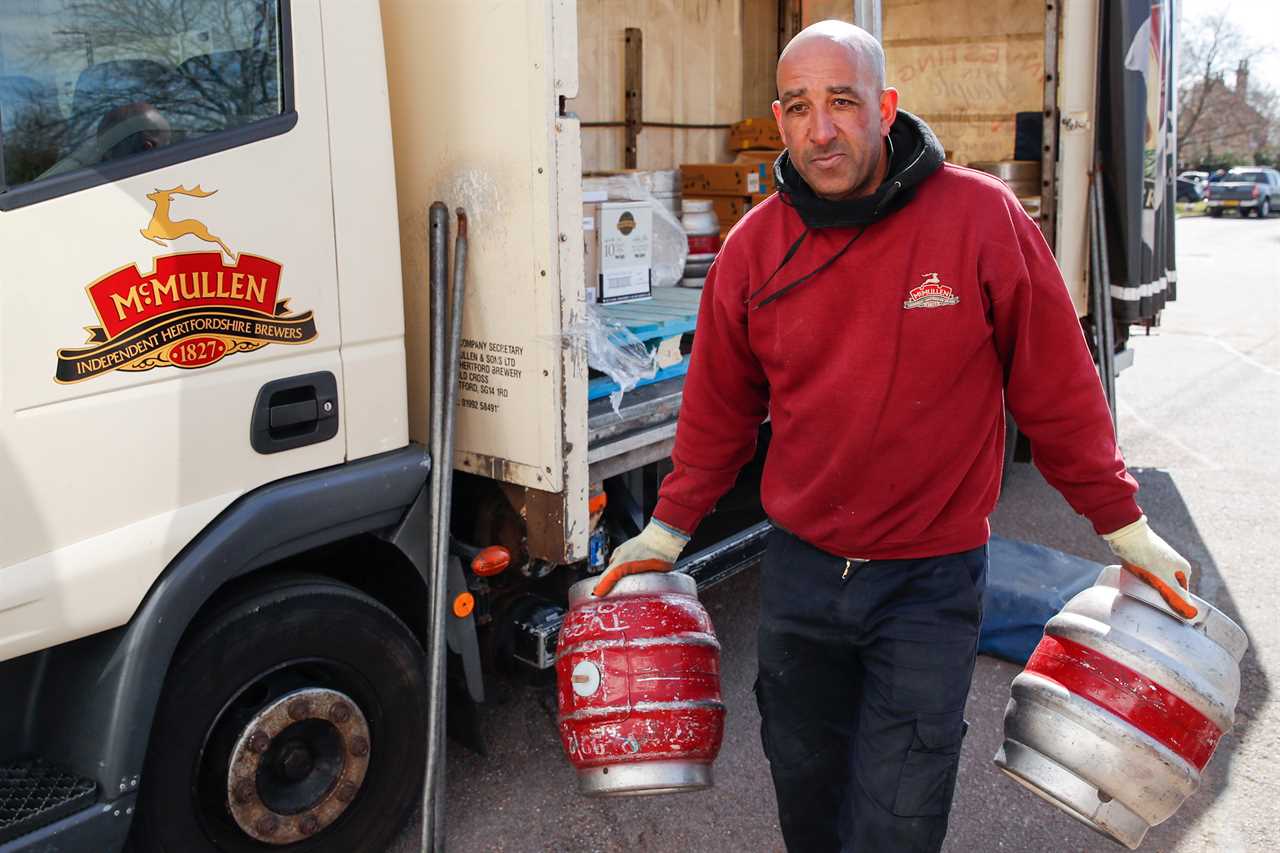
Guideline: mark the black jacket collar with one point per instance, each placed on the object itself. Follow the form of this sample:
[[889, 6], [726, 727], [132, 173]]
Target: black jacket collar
[[916, 154]]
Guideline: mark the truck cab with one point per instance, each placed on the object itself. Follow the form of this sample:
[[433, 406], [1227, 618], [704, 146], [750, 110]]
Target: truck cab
[[203, 420]]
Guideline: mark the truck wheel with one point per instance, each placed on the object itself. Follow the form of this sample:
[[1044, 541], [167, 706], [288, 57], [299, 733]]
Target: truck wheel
[[1263, 210], [294, 716], [1215, 212]]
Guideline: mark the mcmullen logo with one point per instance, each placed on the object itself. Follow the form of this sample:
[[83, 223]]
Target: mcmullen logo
[[930, 293], [191, 310]]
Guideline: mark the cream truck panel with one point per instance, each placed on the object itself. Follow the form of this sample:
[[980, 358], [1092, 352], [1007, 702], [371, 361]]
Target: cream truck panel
[[140, 317], [1077, 95], [691, 73], [366, 230], [967, 69], [474, 110]]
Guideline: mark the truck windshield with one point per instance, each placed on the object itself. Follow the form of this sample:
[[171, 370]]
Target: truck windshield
[[83, 83]]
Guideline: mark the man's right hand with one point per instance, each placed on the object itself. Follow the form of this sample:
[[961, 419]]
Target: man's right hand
[[1150, 558], [656, 549]]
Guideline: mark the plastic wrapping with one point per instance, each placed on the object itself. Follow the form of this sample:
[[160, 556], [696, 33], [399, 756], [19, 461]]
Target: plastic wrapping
[[614, 351], [670, 245]]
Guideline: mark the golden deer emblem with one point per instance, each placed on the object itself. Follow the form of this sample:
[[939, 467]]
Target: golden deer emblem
[[162, 228]]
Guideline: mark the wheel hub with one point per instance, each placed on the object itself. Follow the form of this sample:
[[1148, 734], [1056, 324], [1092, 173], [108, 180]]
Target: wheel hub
[[297, 765]]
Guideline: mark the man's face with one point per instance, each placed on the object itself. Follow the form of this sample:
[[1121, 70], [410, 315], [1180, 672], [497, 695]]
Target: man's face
[[833, 118]]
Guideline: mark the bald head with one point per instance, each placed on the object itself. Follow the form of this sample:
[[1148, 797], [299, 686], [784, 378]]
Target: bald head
[[833, 109], [862, 48]]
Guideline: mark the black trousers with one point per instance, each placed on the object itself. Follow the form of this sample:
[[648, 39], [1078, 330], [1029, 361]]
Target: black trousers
[[861, 686]]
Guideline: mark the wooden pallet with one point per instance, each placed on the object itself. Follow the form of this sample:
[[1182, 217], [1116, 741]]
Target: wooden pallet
[[672, 311]]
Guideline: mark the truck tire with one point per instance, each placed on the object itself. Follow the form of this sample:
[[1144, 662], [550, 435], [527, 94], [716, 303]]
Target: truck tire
[[313, 692], [1215, 212], [1263, 210]]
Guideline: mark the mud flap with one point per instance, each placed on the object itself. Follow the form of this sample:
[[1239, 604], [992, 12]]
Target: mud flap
[[461, 634]]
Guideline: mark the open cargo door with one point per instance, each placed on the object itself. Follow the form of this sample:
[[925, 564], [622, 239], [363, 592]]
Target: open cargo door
[[476, 94], [1138, 155]]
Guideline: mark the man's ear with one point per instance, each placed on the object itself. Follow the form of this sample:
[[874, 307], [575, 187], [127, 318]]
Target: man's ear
[[888, 110], [777, 116]]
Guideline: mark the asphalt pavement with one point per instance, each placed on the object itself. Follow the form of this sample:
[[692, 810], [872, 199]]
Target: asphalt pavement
[[1198, 416]]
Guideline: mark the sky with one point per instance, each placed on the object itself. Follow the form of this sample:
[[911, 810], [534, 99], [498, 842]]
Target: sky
[[1257, 20]]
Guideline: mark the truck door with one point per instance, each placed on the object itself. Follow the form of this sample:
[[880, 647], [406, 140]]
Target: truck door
[[168, 303]]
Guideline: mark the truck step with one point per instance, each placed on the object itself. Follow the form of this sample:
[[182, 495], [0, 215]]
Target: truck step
[[35, 793]]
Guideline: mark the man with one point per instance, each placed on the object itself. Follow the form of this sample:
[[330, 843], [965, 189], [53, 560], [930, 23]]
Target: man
[[133, 128], [881, 309]]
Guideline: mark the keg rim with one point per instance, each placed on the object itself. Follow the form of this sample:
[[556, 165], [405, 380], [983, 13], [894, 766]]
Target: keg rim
[[645, 583], [645, 778], [1218, 626]]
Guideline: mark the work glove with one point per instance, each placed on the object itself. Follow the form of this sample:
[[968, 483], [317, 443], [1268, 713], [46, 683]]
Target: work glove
[[656, 549], [1152, 559]]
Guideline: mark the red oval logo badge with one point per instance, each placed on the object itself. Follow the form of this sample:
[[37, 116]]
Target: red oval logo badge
[[197, 352]]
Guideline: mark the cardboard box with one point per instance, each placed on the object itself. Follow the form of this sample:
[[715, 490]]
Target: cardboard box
[[750, 133], [618, 250], [711, 179], [758, 157]]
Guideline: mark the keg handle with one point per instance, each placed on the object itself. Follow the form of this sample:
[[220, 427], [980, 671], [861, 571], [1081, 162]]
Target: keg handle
[[1133, 587]]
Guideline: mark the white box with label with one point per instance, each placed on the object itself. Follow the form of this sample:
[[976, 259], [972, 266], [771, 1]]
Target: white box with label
[[623, 268]]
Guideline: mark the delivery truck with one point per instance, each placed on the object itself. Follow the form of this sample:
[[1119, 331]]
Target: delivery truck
[[218, 578]]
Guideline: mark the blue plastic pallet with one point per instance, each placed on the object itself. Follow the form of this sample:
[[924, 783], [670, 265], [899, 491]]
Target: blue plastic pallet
[[603, 386], [672, 311]]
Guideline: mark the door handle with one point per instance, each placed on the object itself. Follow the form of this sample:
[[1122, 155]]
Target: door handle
[[292, 414], [295, 412]]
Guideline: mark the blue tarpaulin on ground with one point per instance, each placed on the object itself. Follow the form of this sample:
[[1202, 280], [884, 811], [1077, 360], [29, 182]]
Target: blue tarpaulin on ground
[[1026, 585]]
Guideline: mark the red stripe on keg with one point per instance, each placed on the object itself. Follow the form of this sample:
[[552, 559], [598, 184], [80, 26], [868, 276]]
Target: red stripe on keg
[[704, 244], [1129, 695]]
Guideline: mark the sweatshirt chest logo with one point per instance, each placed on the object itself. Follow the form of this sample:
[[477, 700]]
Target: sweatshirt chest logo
[[930, 293]]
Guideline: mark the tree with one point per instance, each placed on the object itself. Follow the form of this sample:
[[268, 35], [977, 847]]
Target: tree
[[1223, 118]]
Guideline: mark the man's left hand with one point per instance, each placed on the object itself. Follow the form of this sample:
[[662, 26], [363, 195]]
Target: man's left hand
[[1153, 560]]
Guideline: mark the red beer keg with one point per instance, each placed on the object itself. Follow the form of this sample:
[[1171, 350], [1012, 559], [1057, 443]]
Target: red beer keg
[[638, 673]]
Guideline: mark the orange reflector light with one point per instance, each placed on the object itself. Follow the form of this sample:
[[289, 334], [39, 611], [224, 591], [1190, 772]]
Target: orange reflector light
[[491, 561], [463, 605], [597, 503]]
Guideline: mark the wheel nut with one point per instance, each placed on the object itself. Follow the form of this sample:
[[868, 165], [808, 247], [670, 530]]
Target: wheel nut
[[267, 824], [309, 824], [244, 791], [300, 709], [359, 746], [259, 741], [340, 712], [347, 792]]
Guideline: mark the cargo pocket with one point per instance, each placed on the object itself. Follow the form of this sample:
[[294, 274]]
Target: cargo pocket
[[928, 776]]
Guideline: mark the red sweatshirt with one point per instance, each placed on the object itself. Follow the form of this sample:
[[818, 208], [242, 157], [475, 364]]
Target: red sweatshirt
[[886, 376]]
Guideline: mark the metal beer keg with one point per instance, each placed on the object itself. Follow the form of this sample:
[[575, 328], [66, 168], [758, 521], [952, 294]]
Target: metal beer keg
[[1121, 706], [638, 677]]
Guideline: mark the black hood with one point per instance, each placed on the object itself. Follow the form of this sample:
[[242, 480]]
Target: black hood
[[915, 154]]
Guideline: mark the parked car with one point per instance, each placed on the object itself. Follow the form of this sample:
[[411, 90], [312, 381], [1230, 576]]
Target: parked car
[[1246, 188], [1198, 178], [1189, 190]]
